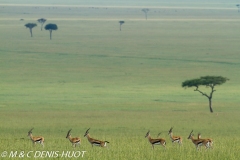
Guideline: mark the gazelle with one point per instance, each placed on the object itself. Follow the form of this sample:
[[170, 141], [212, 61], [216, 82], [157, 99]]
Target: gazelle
[[36, 139], [199, 142], [177, 139], [75, 141], [157, 141], [95, 141], [209, 139]]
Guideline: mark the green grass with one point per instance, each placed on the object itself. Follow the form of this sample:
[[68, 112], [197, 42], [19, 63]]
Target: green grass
[[119, 83]]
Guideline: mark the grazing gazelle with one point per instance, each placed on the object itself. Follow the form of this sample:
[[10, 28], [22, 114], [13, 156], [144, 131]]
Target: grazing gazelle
[[75, 141], [209, 139], [199, 142], [177, 139], [95, 141], [36, 139], [157, 141]]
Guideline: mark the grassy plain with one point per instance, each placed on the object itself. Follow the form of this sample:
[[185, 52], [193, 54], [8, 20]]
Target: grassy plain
[[119, 83]]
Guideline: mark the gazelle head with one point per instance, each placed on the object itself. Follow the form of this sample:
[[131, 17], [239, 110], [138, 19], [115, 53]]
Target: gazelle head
[[68, 134], [170, 131], [147, 134], [190, 135], [87, 131], [30, 132]]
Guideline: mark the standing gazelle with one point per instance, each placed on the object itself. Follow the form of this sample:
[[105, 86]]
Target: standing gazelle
[[75, 141], [95, 141], [36, 139], [209, 139], [157, 141], [199, 142], [177, 139]]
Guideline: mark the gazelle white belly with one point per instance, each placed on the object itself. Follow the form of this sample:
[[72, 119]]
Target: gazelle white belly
[[157, 143], [96, 143]]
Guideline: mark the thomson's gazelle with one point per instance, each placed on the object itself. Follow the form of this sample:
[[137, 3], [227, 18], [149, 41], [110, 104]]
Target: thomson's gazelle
[[177, 139], [209, 139], [95, 141], [36, 139], [157, 141], [75, 141], [199, 142]]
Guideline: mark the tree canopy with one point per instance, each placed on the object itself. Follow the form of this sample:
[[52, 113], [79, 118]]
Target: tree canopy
[[145, 10], [208, 81], [51, 26], [205, 81], [30, 25], [121, 22]]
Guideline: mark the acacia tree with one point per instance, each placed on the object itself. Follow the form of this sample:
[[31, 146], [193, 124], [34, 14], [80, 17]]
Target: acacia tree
[[238, 6], [121, 22], [145, 10], [30, 26], [51, 27], [42, 21], [208, 81]]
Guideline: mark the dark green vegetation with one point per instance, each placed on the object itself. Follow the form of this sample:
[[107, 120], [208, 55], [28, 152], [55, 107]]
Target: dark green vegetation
[[119, 84], [207, 81]]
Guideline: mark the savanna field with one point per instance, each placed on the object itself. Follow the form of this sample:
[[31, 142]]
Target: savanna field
[[120, 84]]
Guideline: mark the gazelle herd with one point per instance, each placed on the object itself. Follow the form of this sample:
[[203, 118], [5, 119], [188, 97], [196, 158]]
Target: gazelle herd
[[207, 142], [75, 141]]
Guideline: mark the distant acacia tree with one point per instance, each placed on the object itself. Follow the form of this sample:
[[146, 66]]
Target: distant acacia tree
[[30, 26], [238, 6], [42, 21], [145, 10], [208, 81], [121, 22], [51, 27]]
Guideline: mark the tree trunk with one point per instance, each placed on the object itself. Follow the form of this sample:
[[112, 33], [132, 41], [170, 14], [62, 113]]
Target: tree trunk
[[120, 27], [50, 34], [146, 16], [31, 31], [208, 96], [210, 105]]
